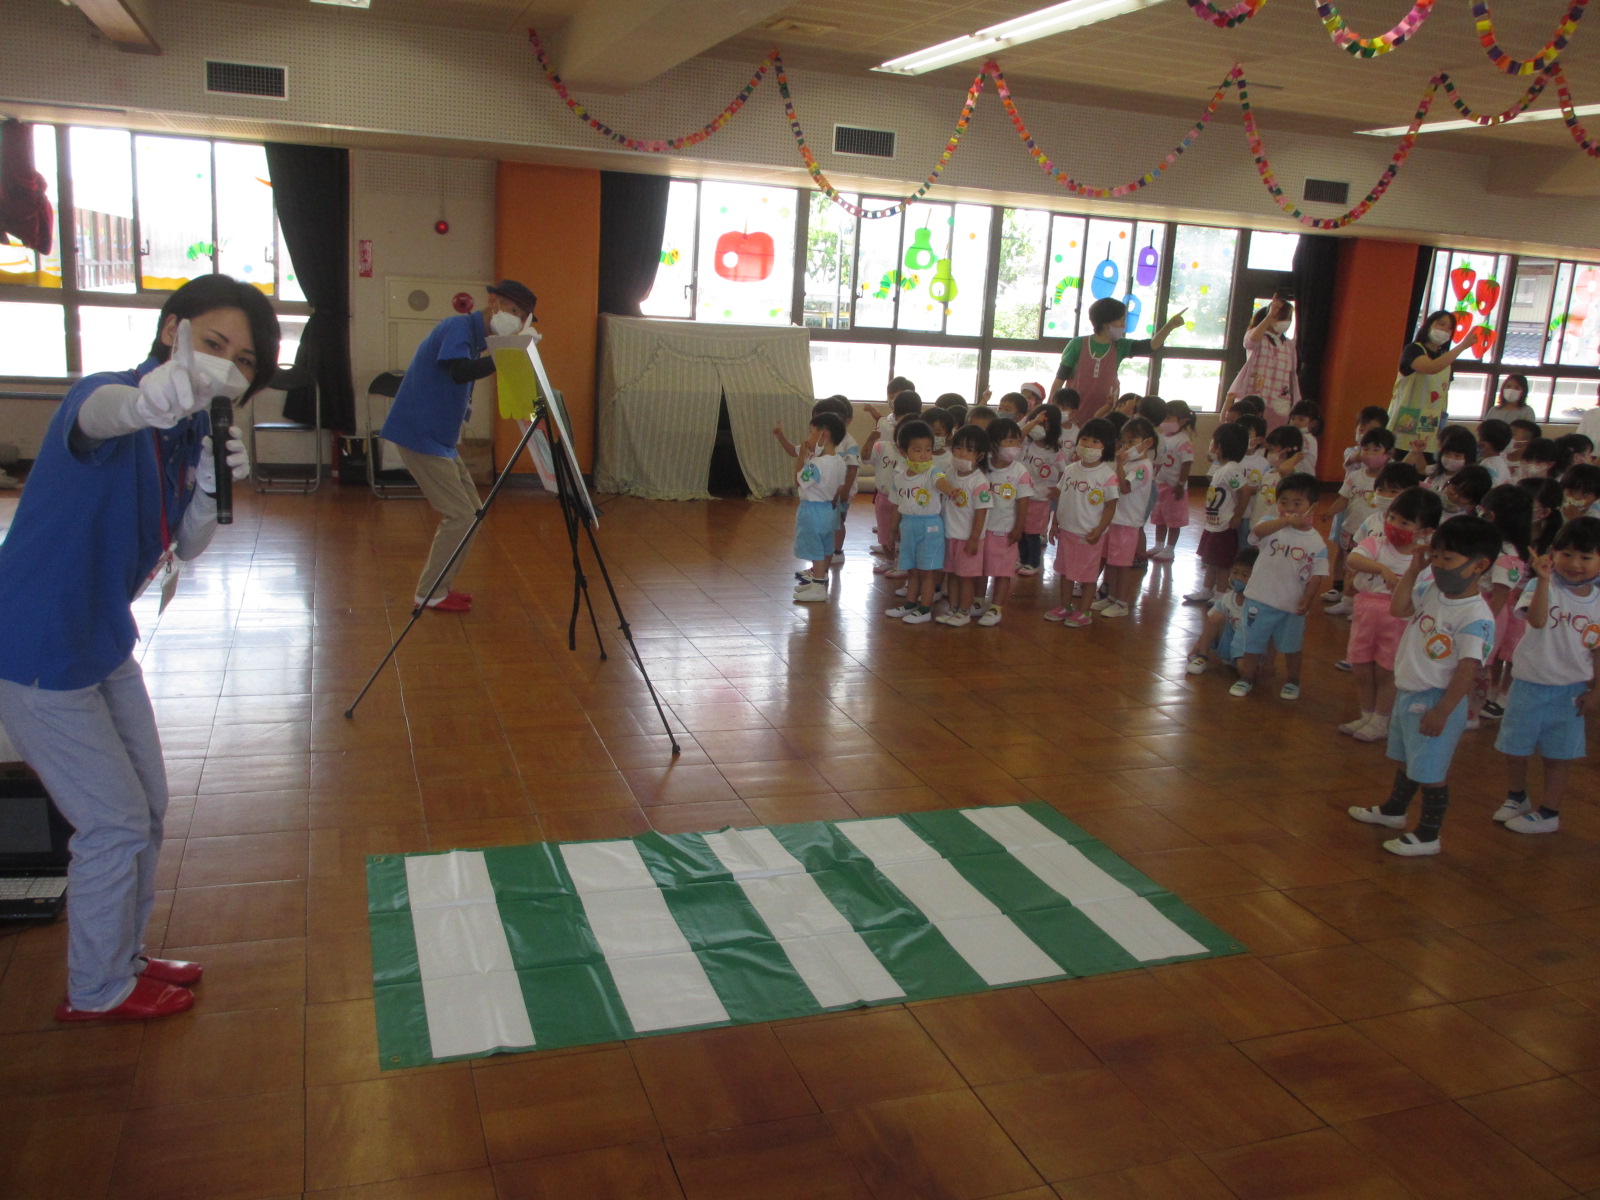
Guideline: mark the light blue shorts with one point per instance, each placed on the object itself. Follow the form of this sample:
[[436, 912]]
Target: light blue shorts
[[1426, 759], [814, 524], [1542, 718], [921, 543], [1230, 642], [1265, 626]]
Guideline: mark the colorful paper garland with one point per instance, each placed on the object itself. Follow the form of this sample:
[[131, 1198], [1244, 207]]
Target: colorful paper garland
[[1540, 61], [1343, 37], [1569, 114], [1226, 18], [1517, 108], [653, 145]]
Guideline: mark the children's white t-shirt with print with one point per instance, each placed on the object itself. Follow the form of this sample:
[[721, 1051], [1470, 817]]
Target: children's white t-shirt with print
[[1009, 484], [1309, 462], [1255, 466], [916, 495], [1509, 570], [1376, 547], [1441, 633], [1499, 468], [1085, 492], [1263, 504], [1222, 495], [822, 477], [1045, 465], [1361, 490], [944, 461], [1562, 652], [1287, 560], [1231, 605], [1069, 444], [1175, 452], [849, 452], [969, 494], [1133, 506]]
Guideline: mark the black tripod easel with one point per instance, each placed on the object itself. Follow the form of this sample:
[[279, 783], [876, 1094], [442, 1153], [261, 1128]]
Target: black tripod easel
[[576, 514]]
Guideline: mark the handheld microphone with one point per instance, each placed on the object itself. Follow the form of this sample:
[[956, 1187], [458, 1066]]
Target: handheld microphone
[[221, 423]]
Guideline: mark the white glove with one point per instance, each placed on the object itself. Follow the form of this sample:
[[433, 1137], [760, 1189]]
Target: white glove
[[205, 471], [171, 392]]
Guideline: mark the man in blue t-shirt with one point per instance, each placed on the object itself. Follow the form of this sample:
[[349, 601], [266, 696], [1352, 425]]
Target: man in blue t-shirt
[[425, 422]]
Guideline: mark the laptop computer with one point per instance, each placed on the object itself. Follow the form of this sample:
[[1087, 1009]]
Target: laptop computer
[[33, 852]]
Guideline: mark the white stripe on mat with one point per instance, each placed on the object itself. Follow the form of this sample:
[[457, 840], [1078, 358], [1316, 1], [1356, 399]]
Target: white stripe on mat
[[1130, 920], [470, 989], [989, 940], [826, 952], [661, 982]]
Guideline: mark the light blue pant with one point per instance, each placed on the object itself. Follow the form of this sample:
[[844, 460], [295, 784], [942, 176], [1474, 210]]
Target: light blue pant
[[97, 751]]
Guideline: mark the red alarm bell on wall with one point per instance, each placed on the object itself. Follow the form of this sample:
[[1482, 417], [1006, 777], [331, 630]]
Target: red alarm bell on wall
[[441, 226], [462, 302], [744, 257]]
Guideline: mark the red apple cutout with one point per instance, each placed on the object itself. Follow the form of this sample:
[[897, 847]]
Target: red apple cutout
[[1463, 321], [1488, 292], [1462, 279], [744, 257], [1482, 340]]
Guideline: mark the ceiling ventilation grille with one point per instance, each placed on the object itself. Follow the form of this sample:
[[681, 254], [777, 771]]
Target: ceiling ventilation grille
[[866, 143], [247, 79], [1327, 191]]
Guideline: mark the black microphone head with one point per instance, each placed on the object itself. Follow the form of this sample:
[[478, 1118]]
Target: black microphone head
[[221, 422]]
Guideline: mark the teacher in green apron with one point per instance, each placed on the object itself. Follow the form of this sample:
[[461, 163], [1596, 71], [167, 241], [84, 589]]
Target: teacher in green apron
[[1422, 389]]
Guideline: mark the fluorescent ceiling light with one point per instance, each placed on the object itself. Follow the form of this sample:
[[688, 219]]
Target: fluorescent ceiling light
[[345, 3], [1544, 114], [1058, 18]]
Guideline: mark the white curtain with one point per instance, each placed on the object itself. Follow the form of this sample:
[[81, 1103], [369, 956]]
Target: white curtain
[[661, 388]]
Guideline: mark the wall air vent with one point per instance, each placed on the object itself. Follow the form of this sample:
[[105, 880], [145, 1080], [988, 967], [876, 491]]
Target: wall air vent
[[865, 143], [1327, 191], [247, 79]]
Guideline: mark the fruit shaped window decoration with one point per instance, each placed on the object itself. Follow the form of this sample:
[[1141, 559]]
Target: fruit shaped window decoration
[[1463, 320], [1148, 266], [1462, 279], [745, 257], [1135, 307], [1488, 291], [1483, 339], [920, 255], [943, 287], [1105, 278]]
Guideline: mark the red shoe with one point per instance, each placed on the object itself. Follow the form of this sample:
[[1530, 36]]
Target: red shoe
[[173, 971], [148, 1000], [454, 602], [467, 596]]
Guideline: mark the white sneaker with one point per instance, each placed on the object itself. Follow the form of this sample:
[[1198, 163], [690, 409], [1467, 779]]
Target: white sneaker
[[979, 607], [900, 611], [918, 615], [1289, 691], [1197, 664], [1333, 595], [9, 482], [1375, 730], [1343, 608], [1512, 808], [1241, 687], [811, 593], [1025, 569], [991, 617], [1407, 846], [882, 568], [1161, 554], [838, 557], [954, 618], [1354, 727], [902, 589], [1115, 609], [1534, 822], [1100, 605], [1376, 816], [1202, 596]]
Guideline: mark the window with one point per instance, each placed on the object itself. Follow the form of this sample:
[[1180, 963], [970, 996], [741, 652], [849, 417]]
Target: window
[[1532, 316], [148, 213], [1202, 284], [673, 293], [745, 264], [1272, 251]]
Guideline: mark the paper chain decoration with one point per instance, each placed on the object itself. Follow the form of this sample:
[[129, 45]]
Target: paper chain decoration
[[1540, 61], [1570, 116], [1333, 21], [1226, 18]]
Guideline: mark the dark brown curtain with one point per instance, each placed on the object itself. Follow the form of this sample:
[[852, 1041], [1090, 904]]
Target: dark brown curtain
[[633, 214]]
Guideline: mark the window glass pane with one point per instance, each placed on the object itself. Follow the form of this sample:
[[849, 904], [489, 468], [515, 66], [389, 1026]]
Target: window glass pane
[[853, 369], [1024, 234], [1195, 381], [1202, 283], [174, 176], [1063, 282], [115, 339], [1467, 392], [35, 341], [290, 331], [927, 241], [746, 260], [1528, 312], [1108, 252], [1573, 399], [1538, 397], [288, 285], [102, 196], [1150, 242], [939, 369], [1580, 341], [1558, 312], [1272, 251], [1010, 369], [879, 260], [830, 251], [244, 215], [673, 291], [969, 265], [1134, 376]]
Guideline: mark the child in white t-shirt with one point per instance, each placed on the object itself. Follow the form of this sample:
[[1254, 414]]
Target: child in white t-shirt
[[1553, 673], [880, 450], [1172, 479], [1375, 565], [1089, 496], [1293, 563], [1012, 486], [1450, 635], [1510, 510], [1045, 459], [819, 475], [1307, 418], [1357, 500], [1494, 437], [1284, 449], [1255, 466], [920, 523], [967, 501], [1136, 481], [1219, 540], [1220, 635]]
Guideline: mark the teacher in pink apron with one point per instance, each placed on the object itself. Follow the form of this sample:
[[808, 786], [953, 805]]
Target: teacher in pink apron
[[1422, 389], [1089, 364], [1272, 363]]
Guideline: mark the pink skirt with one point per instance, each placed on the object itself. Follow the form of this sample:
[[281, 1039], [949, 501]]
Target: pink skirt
[[1121, 543], [1077, 559], [1000, 555], [1374, 634], [958, 562], [1172, 506]]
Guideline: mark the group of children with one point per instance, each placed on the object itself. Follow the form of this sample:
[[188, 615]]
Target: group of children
[[1470, 582]]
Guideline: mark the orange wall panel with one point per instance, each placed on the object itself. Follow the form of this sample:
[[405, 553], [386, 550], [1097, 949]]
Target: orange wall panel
[[1371, 322], [547, 234]]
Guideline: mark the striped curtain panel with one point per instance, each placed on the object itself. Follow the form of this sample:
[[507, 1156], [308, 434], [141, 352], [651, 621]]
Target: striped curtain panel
[[662, 384]]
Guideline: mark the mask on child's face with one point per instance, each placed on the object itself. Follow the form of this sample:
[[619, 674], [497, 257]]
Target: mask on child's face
[[1451, 463], [1572, 585], [1236, 584], [1006, 455], [1454, 580], [938, 443], [1090, 455], [1374, 460], [1036, 433], [917, 468], [1381, 503], [965, 466], [1535, 470], [1169, 427], [1400, 539]]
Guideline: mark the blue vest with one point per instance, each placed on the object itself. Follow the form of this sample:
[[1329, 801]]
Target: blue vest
[[430, 407]]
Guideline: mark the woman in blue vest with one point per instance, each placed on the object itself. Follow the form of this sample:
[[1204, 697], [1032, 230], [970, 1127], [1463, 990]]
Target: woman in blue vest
[[124, 486]]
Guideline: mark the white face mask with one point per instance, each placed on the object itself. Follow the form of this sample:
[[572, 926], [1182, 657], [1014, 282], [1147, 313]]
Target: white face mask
[[1438, 337], [1451, 463], [1280, 327], [1090, 455], [938, 444], [1512, 395], [1114, 332], [1006, 455], [1037, 433], [963, 467], [504, 324], [222, 377], [1134, 454]]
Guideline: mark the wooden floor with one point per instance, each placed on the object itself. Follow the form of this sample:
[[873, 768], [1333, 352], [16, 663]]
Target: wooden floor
[[1427, 1028]]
